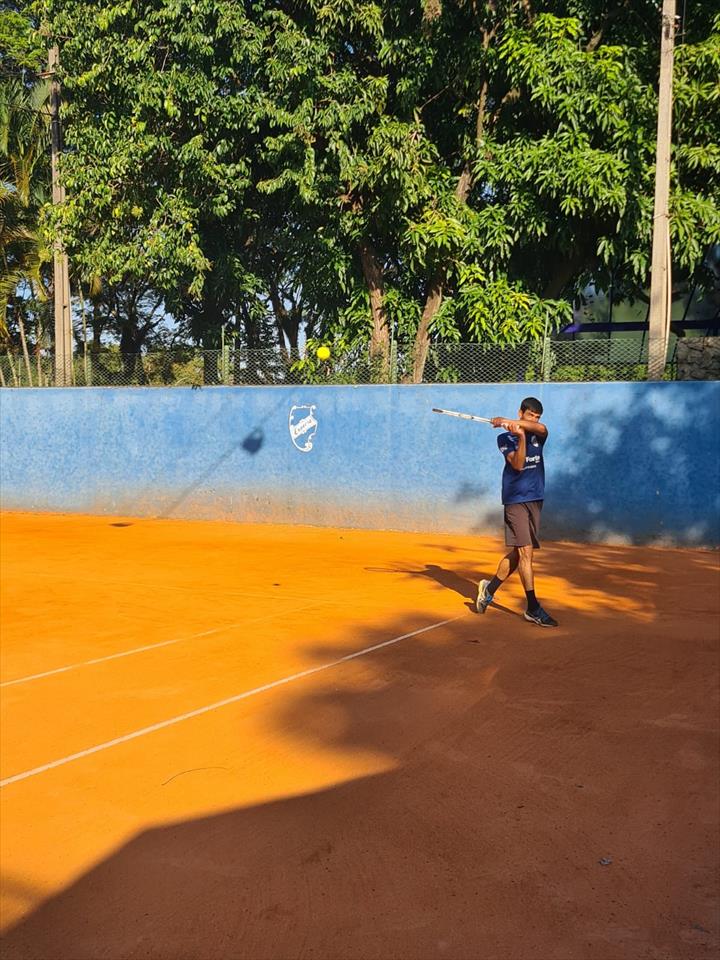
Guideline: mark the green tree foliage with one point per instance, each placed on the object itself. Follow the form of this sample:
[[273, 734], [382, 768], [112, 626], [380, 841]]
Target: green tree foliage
[[24, 178], [446, 169]]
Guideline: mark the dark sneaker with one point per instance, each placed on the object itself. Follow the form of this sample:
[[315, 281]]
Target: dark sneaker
[[541, 617], [483, 597]]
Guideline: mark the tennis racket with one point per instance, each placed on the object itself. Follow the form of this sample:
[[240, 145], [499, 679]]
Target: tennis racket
[[462, 416]]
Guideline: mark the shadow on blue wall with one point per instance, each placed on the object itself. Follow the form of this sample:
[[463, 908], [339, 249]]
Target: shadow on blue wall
[[636, 462], [652, 469], [253, 441], [251, 444], [639, 474], [468, 492]]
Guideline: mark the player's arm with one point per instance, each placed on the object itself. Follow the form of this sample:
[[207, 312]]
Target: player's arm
[[529, 426], [516, 459]]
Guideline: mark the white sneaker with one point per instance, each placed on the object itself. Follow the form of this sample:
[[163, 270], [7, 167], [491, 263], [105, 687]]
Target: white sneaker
[[483, 597]]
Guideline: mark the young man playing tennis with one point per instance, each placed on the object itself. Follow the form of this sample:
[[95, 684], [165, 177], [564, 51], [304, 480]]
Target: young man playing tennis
[[523, 491]]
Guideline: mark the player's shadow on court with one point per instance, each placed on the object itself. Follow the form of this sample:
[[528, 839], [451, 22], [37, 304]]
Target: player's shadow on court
[[466, 588], [448, 579]]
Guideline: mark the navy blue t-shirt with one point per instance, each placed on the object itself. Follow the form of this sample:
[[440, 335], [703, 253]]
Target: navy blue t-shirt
[[522, 486]]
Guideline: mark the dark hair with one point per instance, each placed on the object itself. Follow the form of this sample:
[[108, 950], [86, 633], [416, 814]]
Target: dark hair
[[531, 404]]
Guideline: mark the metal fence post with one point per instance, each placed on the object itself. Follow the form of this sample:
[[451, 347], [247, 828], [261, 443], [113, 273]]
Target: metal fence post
[[393, 361], [545, 361]]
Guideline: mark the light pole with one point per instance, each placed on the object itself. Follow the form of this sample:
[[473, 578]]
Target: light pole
[[661, 276], [61, 278]]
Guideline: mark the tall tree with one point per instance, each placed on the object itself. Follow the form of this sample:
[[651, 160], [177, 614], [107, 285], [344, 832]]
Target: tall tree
[[443, 169], [24, 167]]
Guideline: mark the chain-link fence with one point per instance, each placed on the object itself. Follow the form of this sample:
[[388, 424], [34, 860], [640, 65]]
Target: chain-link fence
[[539, 361], [545, 360]]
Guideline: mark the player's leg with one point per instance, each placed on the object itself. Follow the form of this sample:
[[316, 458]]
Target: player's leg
[[531, 528], [507, 566], [486, 588], [527, 574]]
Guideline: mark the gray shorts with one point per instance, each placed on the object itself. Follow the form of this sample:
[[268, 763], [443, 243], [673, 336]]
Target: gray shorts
[[522, 524]]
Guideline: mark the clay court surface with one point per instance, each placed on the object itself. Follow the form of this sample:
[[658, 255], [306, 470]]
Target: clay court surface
[[173, 789]]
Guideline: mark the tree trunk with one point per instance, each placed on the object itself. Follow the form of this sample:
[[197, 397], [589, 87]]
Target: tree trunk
[[128, 351], [86, 367], [23, 341], [422, 337], [16, 380], [39, 335], [434, 297], [210, 323], [277, 310], [97, 327], [292, 329], [287, 324], [131, 340], [380, 336]]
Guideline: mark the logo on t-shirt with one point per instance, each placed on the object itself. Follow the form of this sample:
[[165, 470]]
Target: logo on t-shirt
[[520, 486]]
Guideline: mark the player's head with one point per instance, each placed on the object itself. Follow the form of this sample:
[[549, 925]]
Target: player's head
[[530, 409]]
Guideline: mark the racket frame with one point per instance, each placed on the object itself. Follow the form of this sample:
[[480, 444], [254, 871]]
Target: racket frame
[[461, 416]]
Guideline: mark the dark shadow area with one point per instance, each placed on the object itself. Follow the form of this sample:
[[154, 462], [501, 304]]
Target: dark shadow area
[[510, 768], [449, 580], [471, 491], [626, 471], [633, 471], [121, 524], [253, 441]]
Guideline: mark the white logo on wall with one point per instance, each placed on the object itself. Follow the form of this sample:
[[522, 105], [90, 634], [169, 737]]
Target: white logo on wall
[[303, 426]]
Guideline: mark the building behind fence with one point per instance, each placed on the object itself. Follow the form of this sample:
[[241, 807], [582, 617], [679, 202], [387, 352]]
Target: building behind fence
[[602, 359]]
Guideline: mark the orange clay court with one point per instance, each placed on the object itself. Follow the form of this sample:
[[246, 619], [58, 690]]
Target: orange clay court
[[254, 741]]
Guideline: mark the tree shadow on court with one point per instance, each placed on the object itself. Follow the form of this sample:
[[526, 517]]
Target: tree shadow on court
[[339, 871], [468, 793]]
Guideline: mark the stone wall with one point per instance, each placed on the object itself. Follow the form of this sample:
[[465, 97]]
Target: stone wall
[[698, 358]]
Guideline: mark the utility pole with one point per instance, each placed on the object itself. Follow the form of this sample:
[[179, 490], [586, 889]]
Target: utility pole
[[61, 278], [661, 276]]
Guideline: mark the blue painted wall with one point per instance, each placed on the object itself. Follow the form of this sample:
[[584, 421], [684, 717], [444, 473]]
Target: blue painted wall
[[630, 462]]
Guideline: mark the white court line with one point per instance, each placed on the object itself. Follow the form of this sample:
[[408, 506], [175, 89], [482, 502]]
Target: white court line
[[150, 646], [216, 706]]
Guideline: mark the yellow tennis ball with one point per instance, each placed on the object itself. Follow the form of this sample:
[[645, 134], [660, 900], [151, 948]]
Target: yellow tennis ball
[[323, 353]]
